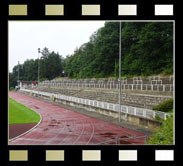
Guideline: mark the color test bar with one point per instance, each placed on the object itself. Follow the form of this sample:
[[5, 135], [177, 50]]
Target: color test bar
[[127, 155], [127, 10], [91, 155], [163, 10], [55, 155], [90, 10], [164, 155], [54, 10], [18, 155], [17, 10]]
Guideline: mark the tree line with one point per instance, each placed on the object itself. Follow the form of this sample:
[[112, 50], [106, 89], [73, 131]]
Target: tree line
[[50, 66], [147, 49]]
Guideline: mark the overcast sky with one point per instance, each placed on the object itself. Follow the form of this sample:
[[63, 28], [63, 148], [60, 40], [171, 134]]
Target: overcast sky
[[25, 37]]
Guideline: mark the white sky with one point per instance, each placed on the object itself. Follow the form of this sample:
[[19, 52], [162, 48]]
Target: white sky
[[25, 37]]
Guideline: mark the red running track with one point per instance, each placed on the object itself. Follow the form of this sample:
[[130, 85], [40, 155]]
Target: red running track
[[61, 126]]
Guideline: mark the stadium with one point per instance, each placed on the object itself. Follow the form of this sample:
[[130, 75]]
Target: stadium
[[86, 98]]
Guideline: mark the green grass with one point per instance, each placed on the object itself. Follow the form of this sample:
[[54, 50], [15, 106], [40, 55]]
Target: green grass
[[58, 78], [20, 114], [164, 134]]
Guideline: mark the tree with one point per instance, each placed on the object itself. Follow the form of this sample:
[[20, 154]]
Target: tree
[[152, 51], [12, 81], [50, 64], [147, 48], [30, 70]]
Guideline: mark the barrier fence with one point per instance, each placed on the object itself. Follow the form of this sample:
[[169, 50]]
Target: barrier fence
[[147, 87], [127, 140], [142, 112]]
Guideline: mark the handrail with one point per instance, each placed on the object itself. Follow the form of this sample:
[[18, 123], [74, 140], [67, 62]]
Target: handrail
[[142, 112]]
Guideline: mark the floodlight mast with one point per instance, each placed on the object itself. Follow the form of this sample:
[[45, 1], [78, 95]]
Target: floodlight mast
[[39, 51], [120, 71], [18, 73]]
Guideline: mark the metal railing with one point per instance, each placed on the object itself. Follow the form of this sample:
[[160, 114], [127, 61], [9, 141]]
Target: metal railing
[[146, 87], [127, 140], [142, 112]]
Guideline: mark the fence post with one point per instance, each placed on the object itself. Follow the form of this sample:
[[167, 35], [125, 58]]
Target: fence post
[[144, 113], [165, 116], [145, 139], [108, 106], [116, 140], [163, 88], [135, 111], [126, 113], [154, 114]]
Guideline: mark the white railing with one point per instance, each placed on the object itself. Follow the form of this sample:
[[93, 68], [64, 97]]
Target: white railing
[[142, 112], [146, 87]]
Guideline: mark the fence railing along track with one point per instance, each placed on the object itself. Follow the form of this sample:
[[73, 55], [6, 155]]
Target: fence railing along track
[[128, 140], [142, 112]]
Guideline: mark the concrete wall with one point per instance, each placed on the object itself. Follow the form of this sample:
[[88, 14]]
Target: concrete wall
[[135, 120]]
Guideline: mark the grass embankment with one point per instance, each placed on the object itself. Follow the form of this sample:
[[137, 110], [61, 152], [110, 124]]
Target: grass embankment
[[20, 114], [164, 134]]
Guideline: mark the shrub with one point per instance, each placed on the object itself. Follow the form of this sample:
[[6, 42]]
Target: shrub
[[165, 106], [12, 89], [164, 134], [167, 71]]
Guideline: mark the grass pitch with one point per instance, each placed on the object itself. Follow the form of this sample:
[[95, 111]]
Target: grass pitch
[[20, 114]]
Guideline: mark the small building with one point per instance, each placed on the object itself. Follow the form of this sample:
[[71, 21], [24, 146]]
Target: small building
[[26, 84]]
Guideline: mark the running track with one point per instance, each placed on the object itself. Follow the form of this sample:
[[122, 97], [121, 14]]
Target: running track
[[66, 127]]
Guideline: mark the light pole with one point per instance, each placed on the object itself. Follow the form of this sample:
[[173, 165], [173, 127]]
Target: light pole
[[18, 73], [80, 72], [39, 51], [115, 69], [18, 70], [119, 71]]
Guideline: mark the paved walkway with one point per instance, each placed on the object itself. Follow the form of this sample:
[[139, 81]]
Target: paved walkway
[[63, 126]]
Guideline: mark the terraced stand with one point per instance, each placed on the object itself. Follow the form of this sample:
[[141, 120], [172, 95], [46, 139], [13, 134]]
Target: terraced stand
[[110, 96], [139, 96], [163, 85]]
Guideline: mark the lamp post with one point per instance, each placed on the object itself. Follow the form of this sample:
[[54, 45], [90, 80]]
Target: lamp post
[[39, 51], [119, 71], [115, 69], [18, 70], [18, 73]]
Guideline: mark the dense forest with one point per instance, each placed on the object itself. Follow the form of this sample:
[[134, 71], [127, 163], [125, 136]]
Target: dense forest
[[147, 49]]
